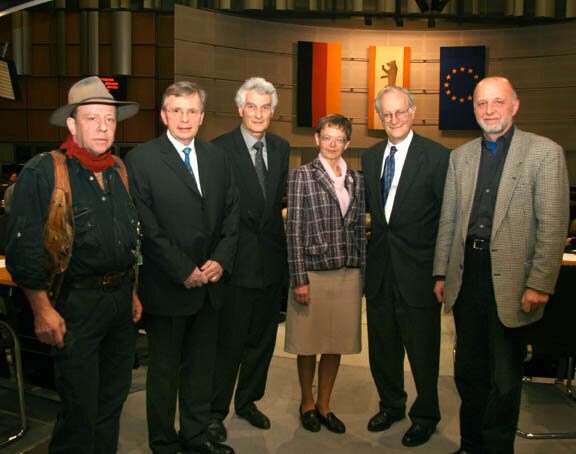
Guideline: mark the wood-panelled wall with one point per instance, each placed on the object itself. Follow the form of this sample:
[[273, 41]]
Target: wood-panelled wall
[[220, 51], [26, 120]]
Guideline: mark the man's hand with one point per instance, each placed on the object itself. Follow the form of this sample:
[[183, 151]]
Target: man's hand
[[136, 308], [533, 299], [49, 325], [212, 271], [302, 294], [196, 279], [439, 290]]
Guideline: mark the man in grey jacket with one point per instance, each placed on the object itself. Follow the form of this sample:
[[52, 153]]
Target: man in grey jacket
[[498, 254]]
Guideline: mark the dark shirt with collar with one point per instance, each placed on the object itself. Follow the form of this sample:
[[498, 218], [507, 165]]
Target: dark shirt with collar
[[105, 222], [489, 173]]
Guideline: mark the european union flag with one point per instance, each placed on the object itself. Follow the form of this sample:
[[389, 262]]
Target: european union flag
[[461, 68]]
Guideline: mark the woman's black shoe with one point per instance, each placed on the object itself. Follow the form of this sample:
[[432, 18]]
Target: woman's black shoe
[[310, 420], [331, 422]]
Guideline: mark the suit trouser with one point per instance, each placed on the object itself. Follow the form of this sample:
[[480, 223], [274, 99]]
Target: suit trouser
[[181, 368], [395, 327], [248, 322], [488, 368], [93, 371]]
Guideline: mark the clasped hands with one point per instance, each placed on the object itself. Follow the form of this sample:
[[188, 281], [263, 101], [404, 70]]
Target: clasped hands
[[211, 271]]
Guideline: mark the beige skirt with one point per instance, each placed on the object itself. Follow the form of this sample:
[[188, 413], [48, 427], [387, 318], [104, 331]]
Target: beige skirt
[[331, 322]]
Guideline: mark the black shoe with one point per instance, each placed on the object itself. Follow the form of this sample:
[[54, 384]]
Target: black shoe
[[382, 421], [216, 432], [310, 420], [331, 422], [255, 417], [418, 434], [208, 447]]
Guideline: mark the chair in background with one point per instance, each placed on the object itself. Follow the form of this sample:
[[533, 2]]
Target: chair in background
[[9, 342], [552, 339]]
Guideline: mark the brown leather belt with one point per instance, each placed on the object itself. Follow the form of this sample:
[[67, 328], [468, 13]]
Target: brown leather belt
[[108, 281]]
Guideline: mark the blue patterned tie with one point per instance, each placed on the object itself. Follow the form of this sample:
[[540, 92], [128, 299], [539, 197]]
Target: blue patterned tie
[[186, 152], [260, 166], [388, 174]]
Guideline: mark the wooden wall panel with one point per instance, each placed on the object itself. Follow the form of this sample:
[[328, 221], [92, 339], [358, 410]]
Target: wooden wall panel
[[143, 61], [43, 59], [73, 27], [105, 60], [39, 127], [105, 28], [14, 126], [42, 25], [143, 90], [43, 93], [73, 61], [165, 31], [538, 59], [165, 62], [140, 128], [144, 29]]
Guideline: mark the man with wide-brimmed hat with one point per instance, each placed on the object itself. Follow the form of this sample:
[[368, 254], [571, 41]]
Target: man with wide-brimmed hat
[[90, 322]]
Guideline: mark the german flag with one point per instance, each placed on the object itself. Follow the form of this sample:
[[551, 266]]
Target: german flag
[[319, 80]]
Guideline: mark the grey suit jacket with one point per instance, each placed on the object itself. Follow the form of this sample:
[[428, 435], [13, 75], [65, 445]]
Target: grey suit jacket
[[529, 225]]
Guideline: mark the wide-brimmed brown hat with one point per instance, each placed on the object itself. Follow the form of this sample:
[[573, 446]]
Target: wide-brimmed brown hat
[[91, 90]]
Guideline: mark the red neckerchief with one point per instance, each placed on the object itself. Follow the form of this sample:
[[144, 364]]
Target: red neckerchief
[[92, 162]]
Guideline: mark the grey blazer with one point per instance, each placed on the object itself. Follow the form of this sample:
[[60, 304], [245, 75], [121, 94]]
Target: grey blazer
[[529, 225]]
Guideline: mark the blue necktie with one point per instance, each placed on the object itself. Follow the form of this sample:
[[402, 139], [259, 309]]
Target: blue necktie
[[388, 174], [260, 166], [186, 152]]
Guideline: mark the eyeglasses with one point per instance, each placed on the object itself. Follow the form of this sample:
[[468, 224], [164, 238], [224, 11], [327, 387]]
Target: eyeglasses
[[177, 112], [339, 140], [399, 114]]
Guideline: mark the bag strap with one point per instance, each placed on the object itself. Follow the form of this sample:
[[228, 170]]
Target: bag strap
[[121, 169]]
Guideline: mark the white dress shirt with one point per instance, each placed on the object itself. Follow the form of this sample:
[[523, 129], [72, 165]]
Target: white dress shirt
[[193, 158], [399, 159]]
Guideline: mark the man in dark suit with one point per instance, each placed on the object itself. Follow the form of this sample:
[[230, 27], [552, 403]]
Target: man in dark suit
[[188, 208], [249, 317], [404, 178]]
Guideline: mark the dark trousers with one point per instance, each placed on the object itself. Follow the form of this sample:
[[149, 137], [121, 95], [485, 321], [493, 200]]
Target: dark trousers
[[181, 366], [248, 324], [94, 369], [488, 369], [393, 327]]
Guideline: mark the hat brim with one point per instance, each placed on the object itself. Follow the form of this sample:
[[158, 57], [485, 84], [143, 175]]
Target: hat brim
[[126, 109]]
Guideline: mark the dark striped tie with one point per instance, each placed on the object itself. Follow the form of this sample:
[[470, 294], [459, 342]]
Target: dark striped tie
[[260, 166], [388, 175]]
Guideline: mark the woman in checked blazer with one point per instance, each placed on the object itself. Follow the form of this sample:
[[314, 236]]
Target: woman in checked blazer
[[326, 256]]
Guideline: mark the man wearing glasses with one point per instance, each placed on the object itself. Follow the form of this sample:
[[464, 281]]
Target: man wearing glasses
[[404, 178], [188, 208]]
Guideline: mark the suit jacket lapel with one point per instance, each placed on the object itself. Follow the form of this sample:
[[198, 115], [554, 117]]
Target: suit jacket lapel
[[323, 179], [509, 179], [273, 168], [373, 179], [350, 184], [175, 162], [410, 171], [246, 167], [468, 181]]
